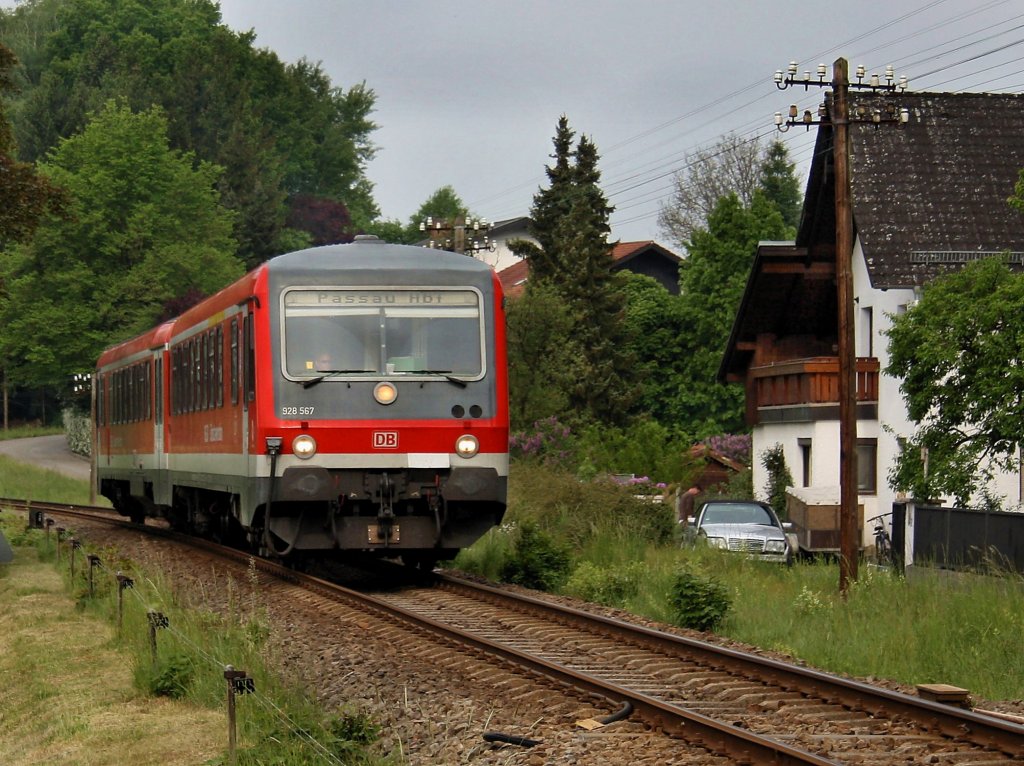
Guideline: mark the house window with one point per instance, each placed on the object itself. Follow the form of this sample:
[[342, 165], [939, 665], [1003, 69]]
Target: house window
[[867, 466], [805, 459], [866, 332]]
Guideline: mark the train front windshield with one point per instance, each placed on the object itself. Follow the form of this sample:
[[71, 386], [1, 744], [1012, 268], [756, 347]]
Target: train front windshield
[[378, 332]]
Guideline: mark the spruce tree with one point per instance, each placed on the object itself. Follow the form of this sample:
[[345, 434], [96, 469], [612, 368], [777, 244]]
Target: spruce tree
[[779, 183], [570, 223]]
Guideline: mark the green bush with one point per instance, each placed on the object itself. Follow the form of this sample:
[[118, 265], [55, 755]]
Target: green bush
[[78, 429], [773, 460], [644, 448], [170, 676], [537, 561], [577, 512], [699, 602], [611, 586]]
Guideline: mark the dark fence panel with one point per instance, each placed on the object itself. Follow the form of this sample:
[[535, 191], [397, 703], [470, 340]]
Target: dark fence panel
[[960, 538]]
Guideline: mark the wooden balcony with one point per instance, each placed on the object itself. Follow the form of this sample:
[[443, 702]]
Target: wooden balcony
[[807, 382]]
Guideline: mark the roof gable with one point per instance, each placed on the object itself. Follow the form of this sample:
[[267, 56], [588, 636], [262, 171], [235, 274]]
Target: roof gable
[[647, 257], [928, 196]]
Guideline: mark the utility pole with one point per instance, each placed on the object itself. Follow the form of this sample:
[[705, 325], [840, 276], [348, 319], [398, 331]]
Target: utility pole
[[836, 113], [848, 543], [467, 236]]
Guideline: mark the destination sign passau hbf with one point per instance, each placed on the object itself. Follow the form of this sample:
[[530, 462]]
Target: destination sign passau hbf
[[342, 298]]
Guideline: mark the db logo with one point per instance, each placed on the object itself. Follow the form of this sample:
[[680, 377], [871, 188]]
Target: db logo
[[385, 439]]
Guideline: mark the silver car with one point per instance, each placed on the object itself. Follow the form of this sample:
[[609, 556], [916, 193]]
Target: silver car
[[744, 526]]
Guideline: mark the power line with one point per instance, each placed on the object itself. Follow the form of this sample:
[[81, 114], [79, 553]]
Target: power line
[[651, 174]]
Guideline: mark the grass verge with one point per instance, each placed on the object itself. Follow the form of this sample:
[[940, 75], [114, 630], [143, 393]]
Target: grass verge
[[95, 695], [69, 695], [24, 482]]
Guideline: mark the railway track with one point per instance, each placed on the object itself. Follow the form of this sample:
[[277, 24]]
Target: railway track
[[743, 707], [837, 719]]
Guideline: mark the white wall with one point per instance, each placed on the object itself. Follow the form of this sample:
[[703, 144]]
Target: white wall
[[892, 416]]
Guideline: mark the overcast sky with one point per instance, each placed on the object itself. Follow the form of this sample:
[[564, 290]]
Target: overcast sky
[[469, 91]]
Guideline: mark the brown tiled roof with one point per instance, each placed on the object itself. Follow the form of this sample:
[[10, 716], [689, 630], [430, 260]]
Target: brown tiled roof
[[927, 197], [930, 195], [513, 279]]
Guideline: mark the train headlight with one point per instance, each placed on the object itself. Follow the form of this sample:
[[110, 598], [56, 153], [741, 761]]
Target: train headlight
[[467, 446], [304, 446], [385, 393]]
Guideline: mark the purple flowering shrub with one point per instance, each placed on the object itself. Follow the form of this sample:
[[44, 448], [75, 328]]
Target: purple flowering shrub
[[548, 441], [734, 446], [641, 485]]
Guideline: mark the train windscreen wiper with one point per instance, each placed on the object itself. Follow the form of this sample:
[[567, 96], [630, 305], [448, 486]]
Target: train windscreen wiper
[[446, 374], [331, 373]]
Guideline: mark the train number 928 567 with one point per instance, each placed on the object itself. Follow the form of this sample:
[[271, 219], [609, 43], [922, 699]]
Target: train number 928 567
[[287, 412]]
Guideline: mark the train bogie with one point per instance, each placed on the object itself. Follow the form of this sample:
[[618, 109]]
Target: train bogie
[[335, 399]]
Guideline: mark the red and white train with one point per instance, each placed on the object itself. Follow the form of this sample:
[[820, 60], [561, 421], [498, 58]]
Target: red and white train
[[342, 398]]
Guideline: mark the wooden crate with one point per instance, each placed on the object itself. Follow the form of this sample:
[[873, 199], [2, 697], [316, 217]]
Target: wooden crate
[[815, 517]]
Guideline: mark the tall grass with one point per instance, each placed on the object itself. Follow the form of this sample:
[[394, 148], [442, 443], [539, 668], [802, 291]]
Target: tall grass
[[924, 629], [22, 432], [24, 482], [277, 724]]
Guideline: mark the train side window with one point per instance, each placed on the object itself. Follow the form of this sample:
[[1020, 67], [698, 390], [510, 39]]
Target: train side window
[[129, 395], [186, 363], [250, 360], [97, 392], [197, 376], [218, 365], [204, 365], [175, 380], [234, 361], [122, 396], [145, 394], [159, 391]]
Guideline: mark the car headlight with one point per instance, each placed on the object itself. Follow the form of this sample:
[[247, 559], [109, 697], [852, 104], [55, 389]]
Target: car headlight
[[775, 546], [717, 542], [467, 445], [304, 446], [385, 393]]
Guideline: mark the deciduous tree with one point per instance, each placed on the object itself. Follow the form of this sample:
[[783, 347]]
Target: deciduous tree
[[959, 353], [24, 195], [277, 129], [731, 166], [145, 227]]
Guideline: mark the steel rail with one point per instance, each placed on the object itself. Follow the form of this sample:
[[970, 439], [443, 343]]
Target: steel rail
[[984, 730]]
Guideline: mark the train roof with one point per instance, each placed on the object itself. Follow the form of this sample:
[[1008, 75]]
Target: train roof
[[149, 340], [370, 254]]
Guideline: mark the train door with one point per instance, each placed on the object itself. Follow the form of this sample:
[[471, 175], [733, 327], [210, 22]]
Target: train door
[[160, 456], [102, 426]]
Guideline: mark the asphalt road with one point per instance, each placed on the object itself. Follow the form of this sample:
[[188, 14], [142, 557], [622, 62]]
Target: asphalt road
[[49, 452]]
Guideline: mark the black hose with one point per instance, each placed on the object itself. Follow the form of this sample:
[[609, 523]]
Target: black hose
[[494, 736], [625, 712], [270, 501]]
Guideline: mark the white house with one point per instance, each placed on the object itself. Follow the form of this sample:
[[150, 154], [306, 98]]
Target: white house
[[928, 197]]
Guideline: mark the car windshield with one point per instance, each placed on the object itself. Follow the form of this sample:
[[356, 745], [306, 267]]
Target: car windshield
[[382, 332], [736, 513]]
